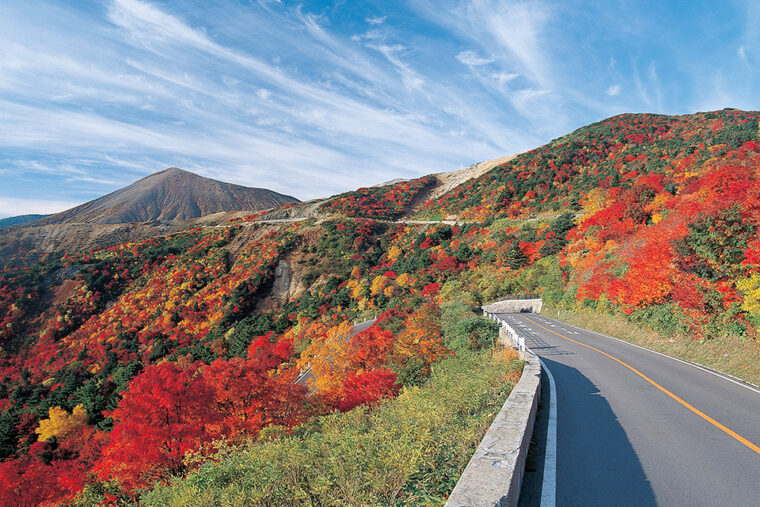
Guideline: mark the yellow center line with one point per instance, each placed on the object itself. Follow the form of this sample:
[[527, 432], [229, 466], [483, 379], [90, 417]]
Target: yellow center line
[[683, 402]]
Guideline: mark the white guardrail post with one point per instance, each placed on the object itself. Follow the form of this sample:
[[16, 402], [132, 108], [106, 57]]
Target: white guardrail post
[[518, 340]]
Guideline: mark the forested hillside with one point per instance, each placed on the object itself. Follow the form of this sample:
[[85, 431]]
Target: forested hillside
[[652, 216]]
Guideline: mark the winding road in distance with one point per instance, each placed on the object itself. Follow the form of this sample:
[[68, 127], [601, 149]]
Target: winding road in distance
[[636, 428]]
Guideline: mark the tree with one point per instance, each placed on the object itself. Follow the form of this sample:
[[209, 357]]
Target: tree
[[366, 388], [328, 357], [516, 258], [250, 394], [421, 337], [164, 414], [60, 423], [559, 229], [29, 481], [8, 434], [370, 348]]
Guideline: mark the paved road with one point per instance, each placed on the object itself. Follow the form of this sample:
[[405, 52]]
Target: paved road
[[623, 441]]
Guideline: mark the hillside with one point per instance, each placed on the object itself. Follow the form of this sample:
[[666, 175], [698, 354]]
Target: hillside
[[170, 195], [651, 217]]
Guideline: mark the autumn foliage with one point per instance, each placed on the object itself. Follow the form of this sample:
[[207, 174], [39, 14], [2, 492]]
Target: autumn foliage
[[127, 364], [386, 201]]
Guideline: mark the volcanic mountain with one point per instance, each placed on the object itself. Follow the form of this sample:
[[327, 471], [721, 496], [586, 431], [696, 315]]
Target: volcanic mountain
[[170, 195]]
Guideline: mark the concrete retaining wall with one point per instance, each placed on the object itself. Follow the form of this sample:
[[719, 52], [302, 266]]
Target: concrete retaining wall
[[494, 474], [515, 306]]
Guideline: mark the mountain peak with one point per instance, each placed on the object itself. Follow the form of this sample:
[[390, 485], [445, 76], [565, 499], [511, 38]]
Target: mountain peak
[[168, 195]]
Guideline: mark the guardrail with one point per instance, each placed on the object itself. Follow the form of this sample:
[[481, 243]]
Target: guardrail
[[517, 340]]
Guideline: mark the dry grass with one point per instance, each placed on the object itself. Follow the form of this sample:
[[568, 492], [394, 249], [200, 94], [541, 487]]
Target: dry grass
[[735, 356]]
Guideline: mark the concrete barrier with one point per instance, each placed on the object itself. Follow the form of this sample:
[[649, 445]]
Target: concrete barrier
[[515, 306], [495, 472]]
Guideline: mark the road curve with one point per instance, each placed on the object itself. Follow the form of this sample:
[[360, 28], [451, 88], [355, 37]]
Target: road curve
[[635, 427]]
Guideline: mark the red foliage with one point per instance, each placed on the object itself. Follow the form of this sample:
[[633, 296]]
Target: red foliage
[[367, 388], [30, 481], [431, 289], [249, 396], [371, 348], [387, 201], [164, 414]]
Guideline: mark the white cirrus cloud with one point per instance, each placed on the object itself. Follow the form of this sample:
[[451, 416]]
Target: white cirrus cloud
[[471, 59]]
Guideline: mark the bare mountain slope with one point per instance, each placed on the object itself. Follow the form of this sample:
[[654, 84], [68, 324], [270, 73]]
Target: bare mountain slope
[[453, 179], [170, 195]]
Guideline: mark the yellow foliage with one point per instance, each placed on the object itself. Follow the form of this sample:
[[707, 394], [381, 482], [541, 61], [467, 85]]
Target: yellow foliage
[[327, 354], [358, 291], [60, 423], [421, 336], [394, 253], [657, 204], [751, 289], [378, 284], [594, 201]]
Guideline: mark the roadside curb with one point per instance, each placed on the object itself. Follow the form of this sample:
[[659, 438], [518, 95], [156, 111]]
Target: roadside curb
[[494, 474]]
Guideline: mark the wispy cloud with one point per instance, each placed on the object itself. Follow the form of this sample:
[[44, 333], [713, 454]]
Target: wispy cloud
[[261, 125], [471, 59], [310, 101]]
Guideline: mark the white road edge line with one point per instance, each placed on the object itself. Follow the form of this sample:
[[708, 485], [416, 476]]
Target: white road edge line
[[549, 483], [724, 376]]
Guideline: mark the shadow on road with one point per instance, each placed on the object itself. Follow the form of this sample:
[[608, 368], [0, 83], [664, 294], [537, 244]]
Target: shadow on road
[[596, 464]]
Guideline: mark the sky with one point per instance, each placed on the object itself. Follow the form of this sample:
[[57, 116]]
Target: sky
[[315, 98]]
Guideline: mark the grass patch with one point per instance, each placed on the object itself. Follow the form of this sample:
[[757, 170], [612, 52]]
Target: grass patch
[[410, 450], [733, 355]]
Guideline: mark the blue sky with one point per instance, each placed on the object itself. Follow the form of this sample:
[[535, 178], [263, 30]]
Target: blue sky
[[315, 98]]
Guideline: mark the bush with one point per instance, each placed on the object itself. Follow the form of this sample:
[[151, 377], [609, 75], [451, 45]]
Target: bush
[[475, 333], [410, 450]]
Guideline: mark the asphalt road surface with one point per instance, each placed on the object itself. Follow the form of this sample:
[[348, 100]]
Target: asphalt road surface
[[668, 433]]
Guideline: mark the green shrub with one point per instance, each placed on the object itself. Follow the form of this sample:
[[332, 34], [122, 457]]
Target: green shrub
[[476, 332], [463, 330]]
